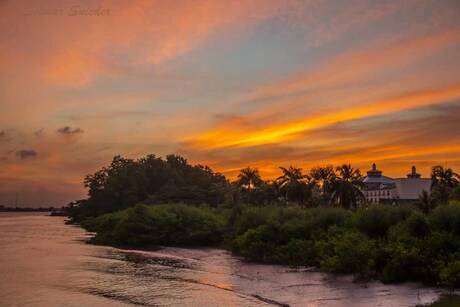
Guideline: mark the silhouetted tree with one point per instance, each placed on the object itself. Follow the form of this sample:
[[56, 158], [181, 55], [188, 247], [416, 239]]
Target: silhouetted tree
[[444, 181], [249, 178], [444, 176], [347, 186], [324, 177], [295, 185], [126, 182]]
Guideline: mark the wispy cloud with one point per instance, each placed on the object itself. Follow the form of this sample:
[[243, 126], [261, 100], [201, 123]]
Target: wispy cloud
[[26, 154], [6, 135], [69, 130], [40, 133]]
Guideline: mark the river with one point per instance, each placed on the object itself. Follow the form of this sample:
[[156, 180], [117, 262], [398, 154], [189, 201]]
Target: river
[[44, 262]]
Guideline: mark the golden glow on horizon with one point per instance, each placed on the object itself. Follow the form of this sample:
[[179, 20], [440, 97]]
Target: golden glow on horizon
[[231, 136]]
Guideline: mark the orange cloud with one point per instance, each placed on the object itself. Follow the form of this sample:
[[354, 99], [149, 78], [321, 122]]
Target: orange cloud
[[234, 136]]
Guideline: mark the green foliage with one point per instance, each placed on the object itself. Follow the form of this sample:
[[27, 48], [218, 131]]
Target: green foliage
[[126, 182], [158, 225], [297, 252], [450, 274], [347, 252], [257, 244], [446, 218], [392, 243], [373, 221], [446, 300], [405, 262]]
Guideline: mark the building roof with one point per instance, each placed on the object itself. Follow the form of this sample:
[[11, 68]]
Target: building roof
[[374, 178], [374, 172], [414, 173], [381, 179], [382, 186]]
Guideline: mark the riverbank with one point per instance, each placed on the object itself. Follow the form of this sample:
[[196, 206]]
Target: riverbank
[[392, 244], [216, 270], [446, 300]]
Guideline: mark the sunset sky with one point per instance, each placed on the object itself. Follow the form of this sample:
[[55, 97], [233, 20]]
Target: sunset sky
[[226, 84]]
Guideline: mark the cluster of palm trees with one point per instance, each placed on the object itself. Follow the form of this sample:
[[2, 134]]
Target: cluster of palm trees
[[333, 186], [341, 185], [445, 186]]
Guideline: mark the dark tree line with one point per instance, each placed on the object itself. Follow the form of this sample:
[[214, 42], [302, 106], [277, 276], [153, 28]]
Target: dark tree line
[[126, 182], [154, 180]]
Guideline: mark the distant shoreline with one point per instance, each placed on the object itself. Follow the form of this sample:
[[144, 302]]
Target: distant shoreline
[[41, 209]]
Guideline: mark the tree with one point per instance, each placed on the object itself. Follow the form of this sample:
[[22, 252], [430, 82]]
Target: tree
[[126, 182], [295, 185], [455, 195], [425, 202], [441, 194], [324, 177], [347, 186], [444, 181], [444, 176], [249, 178], [220, 190]]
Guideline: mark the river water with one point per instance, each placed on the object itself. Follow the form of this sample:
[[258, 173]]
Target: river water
[[44, 262]]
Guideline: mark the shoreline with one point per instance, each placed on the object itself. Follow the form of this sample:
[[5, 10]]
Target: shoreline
[[203, 254]]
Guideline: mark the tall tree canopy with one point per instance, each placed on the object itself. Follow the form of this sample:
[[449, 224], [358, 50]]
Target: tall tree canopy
[[126, 182], [348, 186]]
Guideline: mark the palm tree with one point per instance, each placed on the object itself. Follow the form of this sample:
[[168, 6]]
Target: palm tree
[[425, 202], [295, 184], [444, 176], [324, 176], [444, 180], [347, 186], [249, 178]]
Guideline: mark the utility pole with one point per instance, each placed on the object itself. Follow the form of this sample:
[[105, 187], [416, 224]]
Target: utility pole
[[16, 204]]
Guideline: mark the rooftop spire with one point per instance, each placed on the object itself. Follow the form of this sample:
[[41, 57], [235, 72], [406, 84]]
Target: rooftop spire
[[374, 172], [414, 173]]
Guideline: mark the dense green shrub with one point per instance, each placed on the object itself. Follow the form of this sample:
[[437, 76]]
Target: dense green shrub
[[377, 219], [405, 263], [159, 225], [417, 225], [257, 244], [446, 218], [322, 218], [253, 217], [450, 274], [347, 252], [297, 253]]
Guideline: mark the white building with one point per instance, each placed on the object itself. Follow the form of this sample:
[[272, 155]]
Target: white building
[[388, 190]]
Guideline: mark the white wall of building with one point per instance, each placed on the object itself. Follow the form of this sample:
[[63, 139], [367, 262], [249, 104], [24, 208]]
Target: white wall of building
[[410, 188]]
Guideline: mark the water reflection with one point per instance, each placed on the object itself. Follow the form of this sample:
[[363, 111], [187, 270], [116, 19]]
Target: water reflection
[[44, 262]]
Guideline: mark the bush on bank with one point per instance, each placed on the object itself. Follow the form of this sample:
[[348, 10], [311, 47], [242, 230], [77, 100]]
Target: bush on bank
[[393, 244], [143, 225]]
